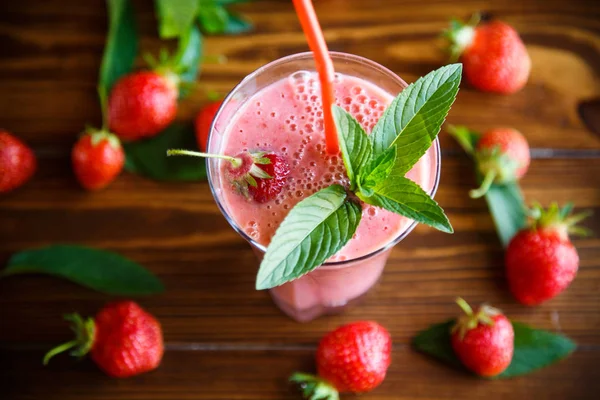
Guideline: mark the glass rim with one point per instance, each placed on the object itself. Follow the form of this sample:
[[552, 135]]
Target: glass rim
[[294, 57]]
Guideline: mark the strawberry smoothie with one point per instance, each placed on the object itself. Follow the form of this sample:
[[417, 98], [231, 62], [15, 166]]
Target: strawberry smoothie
[[285, 117]]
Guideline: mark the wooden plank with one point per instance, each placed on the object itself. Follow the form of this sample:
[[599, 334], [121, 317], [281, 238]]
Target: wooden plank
[[49, 50], [177, 232], [261, 374]]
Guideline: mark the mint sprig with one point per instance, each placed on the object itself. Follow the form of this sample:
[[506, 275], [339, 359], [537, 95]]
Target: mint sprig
[[314, 230], [320, 225]]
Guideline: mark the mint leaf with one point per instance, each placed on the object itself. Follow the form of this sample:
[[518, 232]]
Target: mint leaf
[[237, 24], [414, 118], [175, 17], [212, 17], [354, 143], [403, 196], [534, 348], [121, 44], [377, 170], [187, 58], [314, 230], [100, 270], [508, 210], [147, 157]]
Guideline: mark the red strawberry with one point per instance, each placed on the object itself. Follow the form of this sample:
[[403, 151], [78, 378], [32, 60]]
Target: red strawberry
[[257, 175], [97, 159], [502, 155], [204, 120], [353, 358], [483, 340], [142, 104], [494, 57], [124, 340], [540, 260], [17, 162]]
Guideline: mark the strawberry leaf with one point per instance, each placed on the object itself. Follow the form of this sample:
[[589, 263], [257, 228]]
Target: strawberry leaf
[[508, 210], [237, 24], [175, 17], [148, 157], [212, 17], [187, 59], [354, 143], [121, 44], [100, 270], [314, 230], [534, 348]]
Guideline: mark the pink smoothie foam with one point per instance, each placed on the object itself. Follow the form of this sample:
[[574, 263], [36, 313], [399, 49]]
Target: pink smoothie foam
[[286, 118]]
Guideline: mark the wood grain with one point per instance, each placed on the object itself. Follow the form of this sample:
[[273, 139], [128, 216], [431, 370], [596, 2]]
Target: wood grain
[[224, 340], [258, 374]]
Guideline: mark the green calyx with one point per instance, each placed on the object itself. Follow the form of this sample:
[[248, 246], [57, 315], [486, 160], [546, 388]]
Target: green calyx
[[315, 388], [558, 219], [85, 331], [167, 66], [460, 35], [495, 167], [98, 136], [470, 319]]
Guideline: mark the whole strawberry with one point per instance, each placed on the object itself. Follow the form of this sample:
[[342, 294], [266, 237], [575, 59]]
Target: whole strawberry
[[142, 104], [353, 358], [493, 56], [483, 339], [97, 159], [502, 156], [259, 176], [123, 340], [540, 260], [17, 162], [203, 122]]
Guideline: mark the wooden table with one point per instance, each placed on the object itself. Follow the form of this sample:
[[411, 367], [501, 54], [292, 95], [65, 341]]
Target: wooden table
[[224, 340]]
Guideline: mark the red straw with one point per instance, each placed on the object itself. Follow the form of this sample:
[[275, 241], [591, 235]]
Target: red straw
[[316, 42]]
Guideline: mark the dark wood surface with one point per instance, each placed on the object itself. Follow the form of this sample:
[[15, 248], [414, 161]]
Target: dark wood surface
[[224, 340]]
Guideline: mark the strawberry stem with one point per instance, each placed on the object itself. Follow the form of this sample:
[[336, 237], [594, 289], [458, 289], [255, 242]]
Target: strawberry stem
[[485, 185], [85, 331], [235, 162], [462, 303], [314, 388]]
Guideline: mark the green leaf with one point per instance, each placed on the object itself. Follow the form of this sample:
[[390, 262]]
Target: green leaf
[[149, 157], [187, 58], [212, 17], [175, 16], [508, 210], [354, 143], [228, 2], [403, 196], [413, 120], [314, 230], [378, 170], [465, 137], [121, 44], [100, 270], [435, 341], [237, 24], [534, 348]]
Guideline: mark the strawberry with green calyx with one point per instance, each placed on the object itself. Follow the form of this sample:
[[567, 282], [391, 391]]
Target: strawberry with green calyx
[[98, 158], [123, 339], [540, 260], [493, 55], [483, 339], [502, 155], [352, 358], [257, 175]]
